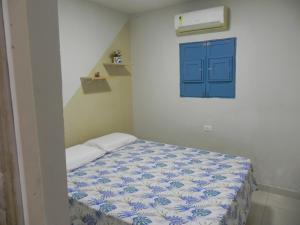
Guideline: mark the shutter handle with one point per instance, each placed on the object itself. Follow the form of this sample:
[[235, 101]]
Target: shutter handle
[[209, 68]]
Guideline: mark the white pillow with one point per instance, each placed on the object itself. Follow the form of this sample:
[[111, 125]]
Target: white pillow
[[79, 155], [112, 141]]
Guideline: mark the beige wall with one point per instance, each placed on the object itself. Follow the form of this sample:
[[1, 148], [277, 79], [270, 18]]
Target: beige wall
[[89, 33], [262, 123], [105, 106], [87, 30]]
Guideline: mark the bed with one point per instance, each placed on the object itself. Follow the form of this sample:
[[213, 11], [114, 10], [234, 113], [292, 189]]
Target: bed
[[146, 182]]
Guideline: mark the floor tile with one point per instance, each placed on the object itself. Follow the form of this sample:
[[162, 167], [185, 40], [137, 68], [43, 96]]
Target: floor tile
[[282, 202], [256, 214], [276, 216], [259, 199], [273, 209]]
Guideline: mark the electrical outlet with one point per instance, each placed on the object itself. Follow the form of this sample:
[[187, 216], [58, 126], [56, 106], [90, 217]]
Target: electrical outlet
[[207, 128]]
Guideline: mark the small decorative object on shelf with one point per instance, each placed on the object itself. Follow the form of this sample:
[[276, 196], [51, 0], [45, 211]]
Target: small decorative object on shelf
[[97, 74], [117, 57]]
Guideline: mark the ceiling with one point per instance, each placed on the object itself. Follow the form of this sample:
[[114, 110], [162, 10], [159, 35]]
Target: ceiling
[[137, 6]]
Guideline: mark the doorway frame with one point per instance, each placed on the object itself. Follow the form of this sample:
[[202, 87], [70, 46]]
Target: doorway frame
[[12, 204]]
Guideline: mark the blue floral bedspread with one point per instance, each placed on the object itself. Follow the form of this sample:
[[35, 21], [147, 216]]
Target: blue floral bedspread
[[152, 183]]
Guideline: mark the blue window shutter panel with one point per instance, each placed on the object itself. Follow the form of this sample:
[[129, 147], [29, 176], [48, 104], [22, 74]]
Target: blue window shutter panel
[[192, 69], [207, 69], [221, 68]]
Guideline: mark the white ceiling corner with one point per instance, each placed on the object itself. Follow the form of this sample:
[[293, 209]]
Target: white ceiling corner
[[138, 6]]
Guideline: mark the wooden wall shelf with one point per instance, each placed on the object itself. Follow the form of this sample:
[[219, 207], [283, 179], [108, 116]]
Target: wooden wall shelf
[[115, 64], [94, 78], [114, 69]]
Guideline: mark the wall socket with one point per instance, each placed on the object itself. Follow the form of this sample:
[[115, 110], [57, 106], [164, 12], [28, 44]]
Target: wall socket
[[207, 128]]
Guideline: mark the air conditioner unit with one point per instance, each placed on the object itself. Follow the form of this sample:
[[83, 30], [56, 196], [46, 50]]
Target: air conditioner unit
[[202, 21]]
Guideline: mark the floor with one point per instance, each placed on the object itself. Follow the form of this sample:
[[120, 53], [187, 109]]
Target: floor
[[273, 209]]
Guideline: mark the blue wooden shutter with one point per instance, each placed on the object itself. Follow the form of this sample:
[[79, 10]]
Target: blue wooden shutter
[[221, 68], [192, 69]]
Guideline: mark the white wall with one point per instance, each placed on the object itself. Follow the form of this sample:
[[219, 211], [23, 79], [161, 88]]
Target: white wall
[[86, 31], [262, 122]]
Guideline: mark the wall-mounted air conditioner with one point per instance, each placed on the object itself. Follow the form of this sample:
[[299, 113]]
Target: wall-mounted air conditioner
[[202, 21]]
